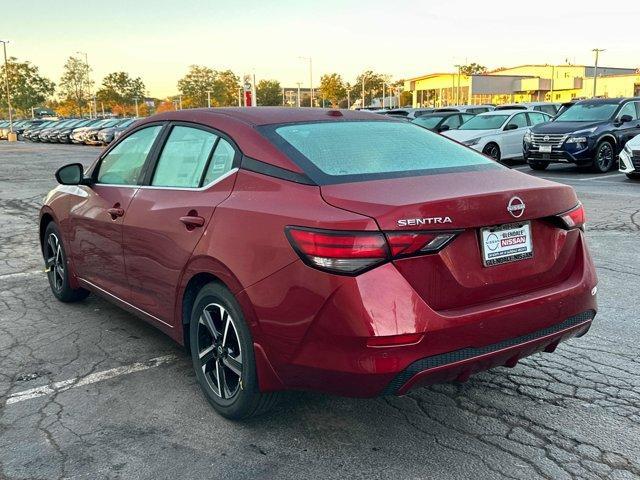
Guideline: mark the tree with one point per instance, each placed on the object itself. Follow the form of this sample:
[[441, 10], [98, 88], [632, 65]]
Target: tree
[[332, 88], [27, 87], [473, 69], [75, 83], [222, 87], [372, 86], [269, 92], [119, 92]]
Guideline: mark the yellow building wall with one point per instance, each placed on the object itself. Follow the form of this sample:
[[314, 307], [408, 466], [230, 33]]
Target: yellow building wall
[[610, 87]]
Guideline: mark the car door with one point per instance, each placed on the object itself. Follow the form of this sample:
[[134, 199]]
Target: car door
[[98, 211], [512, 139], [626, 131], [192, 173]]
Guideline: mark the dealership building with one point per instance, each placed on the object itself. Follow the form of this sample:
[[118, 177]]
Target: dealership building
[[525, 83]]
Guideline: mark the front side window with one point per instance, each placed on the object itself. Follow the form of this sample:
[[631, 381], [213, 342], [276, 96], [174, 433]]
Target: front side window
[[452, 122], [485, 122], [536, 118], [335, 152], [588, 112], [430, 122], [123, 164], [184, 158], [519, 120], [629, 109]]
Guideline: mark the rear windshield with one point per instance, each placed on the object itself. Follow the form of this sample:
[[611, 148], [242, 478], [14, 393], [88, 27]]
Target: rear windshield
[[336, 152], [428, 122]]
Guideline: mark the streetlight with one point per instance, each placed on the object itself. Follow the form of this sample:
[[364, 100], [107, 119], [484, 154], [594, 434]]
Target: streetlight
[[11, 136], [348, 97], [363, 77], [298, 99], [86, 63], [135, 99], [459, 67], [310, 77], [595, 69], [208, 98]]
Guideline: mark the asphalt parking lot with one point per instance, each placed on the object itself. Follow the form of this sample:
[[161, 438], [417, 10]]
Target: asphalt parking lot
[[89, 391]]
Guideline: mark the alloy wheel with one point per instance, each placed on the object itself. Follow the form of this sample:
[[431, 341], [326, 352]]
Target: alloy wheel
[[55, 262], [493, 151], [219, 351], [605, 157]]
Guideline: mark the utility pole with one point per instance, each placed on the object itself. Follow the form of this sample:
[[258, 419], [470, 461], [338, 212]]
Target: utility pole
[[240, 96], [348, 98], [88, 80], [298, 99], [10, 136], [459, 67], [363, 77], [310, 77], [180, 100], [208, 98], [595, 69], [135, 99]]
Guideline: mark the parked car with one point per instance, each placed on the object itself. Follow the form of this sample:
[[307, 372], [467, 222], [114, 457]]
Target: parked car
[[546, 107], [630, 159], [327, 292], [410, 113], [64, 134], [591, 134], [474, 109], [91, 133], [45, 134], [441, 122], [30, 133], [78, 135], [498, 134], [16, 126], [107, 135]]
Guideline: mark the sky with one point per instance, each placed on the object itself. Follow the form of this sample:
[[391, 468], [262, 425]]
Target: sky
[[158, 39]]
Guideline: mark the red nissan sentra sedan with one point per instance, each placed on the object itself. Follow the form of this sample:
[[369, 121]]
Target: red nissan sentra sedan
[[337, 251]]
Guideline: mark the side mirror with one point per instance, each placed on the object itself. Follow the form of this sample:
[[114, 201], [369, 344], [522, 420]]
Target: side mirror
[[443, 128], [626, 119], [71, 174], [511, 126]]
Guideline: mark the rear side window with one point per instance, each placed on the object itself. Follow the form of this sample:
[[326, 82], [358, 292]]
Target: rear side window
[[221, 161], [183, 158], [123, 164], [334, 152]]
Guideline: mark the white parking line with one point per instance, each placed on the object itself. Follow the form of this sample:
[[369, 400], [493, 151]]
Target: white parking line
[[89, 379], [598, 177]]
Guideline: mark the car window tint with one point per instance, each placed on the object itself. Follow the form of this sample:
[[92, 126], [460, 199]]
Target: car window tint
[[452, 122], [221, 161], [183, 158], [629, 109], [537, 118], [520, 120], [123, 164]]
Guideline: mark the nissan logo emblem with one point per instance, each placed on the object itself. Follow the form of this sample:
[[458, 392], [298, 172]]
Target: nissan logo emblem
[[516, 207], [545, 138]]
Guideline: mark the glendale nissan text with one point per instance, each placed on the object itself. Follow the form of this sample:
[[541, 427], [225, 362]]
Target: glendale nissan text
[[337, 251]]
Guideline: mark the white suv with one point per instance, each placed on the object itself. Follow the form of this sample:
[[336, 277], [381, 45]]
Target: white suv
[[630, 158]]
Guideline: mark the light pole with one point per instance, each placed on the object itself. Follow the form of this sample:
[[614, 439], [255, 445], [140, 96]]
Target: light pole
[[180, 100], [383, 94], [208, 98], [88, 80], [459, 67], [10, 137], [595, 69], [348, 98], [363, 78], [135, 99], [310, 78], [298, 99]]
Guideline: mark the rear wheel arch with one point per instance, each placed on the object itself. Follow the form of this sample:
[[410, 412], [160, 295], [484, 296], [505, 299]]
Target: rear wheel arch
[[194, 285]]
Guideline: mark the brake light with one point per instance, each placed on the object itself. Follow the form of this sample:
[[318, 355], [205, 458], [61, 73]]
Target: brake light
[[574, 218], [340, 252], [354, 252]]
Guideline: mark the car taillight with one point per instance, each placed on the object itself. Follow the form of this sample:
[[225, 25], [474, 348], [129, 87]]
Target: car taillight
[[410, 243], [574, 218], [350, 253], [340, 252]]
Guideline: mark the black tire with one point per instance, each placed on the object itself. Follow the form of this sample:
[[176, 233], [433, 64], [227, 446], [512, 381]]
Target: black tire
[[604, 158], [236, 396], [633, 176], [535, 165], [57, 266], [492, 150]]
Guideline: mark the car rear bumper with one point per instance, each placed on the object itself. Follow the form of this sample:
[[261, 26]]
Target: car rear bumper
[[320, 341]]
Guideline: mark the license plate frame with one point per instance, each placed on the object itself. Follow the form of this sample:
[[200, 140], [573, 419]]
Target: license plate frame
[[545, 148], [494, 252]]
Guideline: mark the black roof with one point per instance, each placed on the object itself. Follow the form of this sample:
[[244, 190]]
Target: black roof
[[615, 101]]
